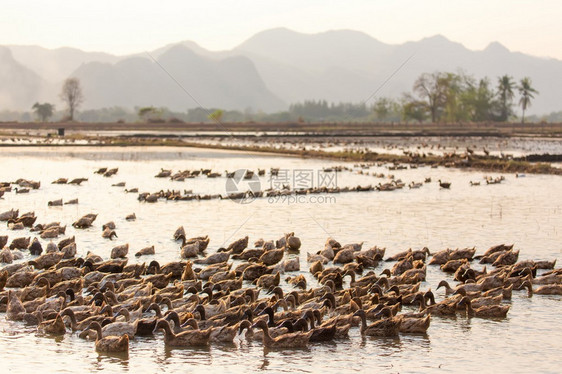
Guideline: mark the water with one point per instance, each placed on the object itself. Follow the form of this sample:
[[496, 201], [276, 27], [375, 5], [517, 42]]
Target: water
[[524, 211]]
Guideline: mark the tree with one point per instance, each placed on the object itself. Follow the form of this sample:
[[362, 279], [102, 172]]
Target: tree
[[433, 88], [505, 97], [216, 115], [72, 95], [149, 113], [382, 108], [43, 111], [453, 88], [477, 101], [526, 92], [413, 109]]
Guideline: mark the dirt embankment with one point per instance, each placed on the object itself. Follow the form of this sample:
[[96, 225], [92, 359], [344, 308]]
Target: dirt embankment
[[305, 128]]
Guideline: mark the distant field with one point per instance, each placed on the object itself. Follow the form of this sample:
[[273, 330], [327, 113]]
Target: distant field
[[298, 128]]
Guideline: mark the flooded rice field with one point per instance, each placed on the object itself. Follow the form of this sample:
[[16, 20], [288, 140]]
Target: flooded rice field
[[399, 145], [525, 211]]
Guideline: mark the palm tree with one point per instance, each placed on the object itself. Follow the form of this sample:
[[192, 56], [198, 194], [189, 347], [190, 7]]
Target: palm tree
[[505, 92], [526, 92]]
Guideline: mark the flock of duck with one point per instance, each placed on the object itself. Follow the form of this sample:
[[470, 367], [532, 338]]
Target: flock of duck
[[238, 291], [245, 290], [284, 190]]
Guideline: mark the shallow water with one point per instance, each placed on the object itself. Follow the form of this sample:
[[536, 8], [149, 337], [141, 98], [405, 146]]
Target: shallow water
[[525, 211]]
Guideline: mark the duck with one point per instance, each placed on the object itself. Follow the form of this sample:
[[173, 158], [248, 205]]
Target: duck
[[410, 324], [385, 327], [443, 308], [258, 335], [451, 266], [508, 258], [55, 202], [109, 344], [215, 258], [120, 251], [320, 333], [85, 221], [272, 257], [444, 184], [77, 181], [254, 271], [53, 327], [220, 334], [6, 256], [121, 328], [35, 247], [247, 254], [440, 257], [20, 243], [189, 338], [468, 287], [549, 289], [238, 246], [145, 251], [491, 311], [46, 260], [21, 278], [15, 309], [268, 281], [342, 323], [108, 234], [289, 340]]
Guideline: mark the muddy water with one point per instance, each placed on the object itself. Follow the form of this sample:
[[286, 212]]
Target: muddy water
[[524, 211]]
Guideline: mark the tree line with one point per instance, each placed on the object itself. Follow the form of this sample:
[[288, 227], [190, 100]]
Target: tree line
[[449, 97], [435, 97]]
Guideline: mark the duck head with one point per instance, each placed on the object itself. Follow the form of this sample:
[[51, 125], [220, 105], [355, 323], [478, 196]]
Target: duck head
[[201, 310], [329, 297], [261, 324], [443, 283], [269, 312]]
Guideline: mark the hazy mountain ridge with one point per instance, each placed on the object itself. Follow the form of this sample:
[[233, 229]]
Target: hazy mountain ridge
[[230, 83], [17, 83], [268, 71]]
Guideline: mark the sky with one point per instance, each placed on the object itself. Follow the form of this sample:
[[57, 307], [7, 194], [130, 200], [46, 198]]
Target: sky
[[126, 26]]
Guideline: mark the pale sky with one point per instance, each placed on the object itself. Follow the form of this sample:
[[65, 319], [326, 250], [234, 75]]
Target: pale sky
[[130, 26]]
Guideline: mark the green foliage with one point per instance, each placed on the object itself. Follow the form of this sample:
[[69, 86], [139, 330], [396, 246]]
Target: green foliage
[[311, 110], [43, 111], [217, 115], [449, 97], [387, 109], [414, 110], [150, 114]]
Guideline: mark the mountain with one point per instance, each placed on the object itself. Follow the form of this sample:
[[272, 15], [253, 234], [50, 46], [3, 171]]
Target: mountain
[[267, 72], [351, 66], [180, 79], [56, 65], [20, 87]]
